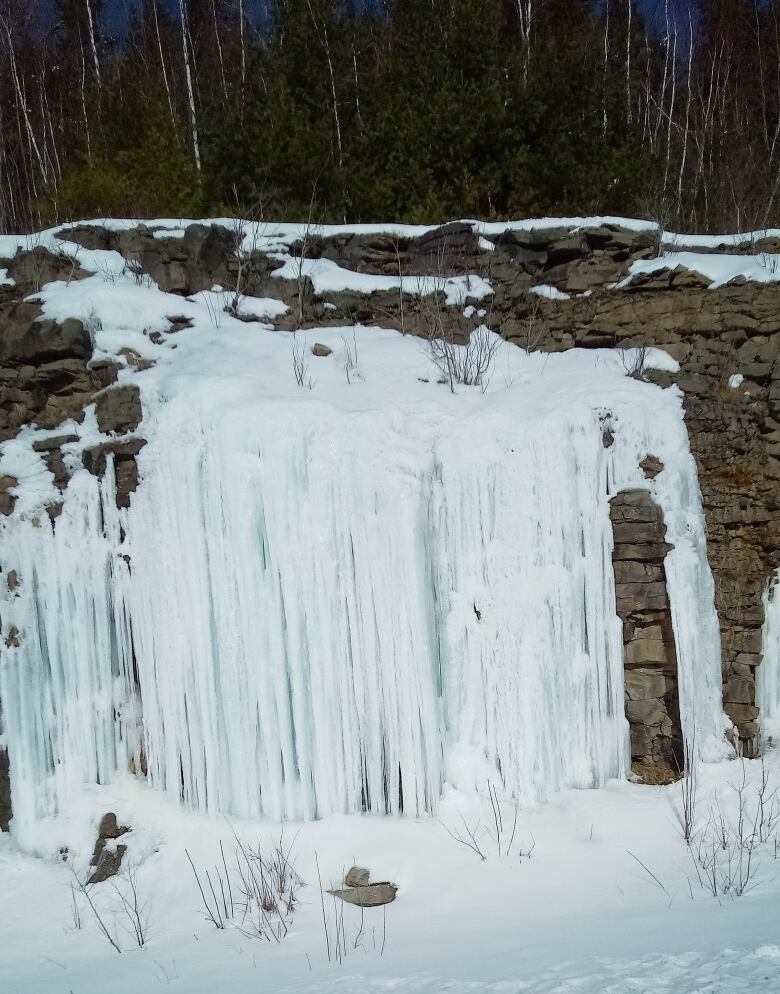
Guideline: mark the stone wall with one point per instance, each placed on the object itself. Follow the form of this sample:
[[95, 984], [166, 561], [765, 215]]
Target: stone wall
[[650, 655]]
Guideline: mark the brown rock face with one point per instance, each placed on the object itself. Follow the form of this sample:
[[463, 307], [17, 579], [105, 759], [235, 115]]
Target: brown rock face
[[178, 265], [7, 499], [44, 372], [5, 792], [118, 409], [734, 432], [650, 655], [33, 268]]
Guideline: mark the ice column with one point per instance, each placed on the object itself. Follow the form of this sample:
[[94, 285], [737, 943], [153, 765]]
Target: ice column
[[66, 685], [329, 611], [768, 673]]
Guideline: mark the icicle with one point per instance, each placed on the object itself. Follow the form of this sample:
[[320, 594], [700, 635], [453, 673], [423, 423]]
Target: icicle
[[66, 686], [280, 616], [532, 656], [768, 673], [337, 611]]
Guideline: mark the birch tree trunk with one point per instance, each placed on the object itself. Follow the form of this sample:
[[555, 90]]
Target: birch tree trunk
[[190, 90]]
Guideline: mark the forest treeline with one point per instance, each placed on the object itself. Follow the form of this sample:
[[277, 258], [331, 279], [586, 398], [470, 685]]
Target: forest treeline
[[419, 110]]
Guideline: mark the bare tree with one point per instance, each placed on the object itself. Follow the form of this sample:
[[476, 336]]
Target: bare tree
[[242, 39], [166, 84], [134, 909], [93, 43], [321, 28], [186, 46], [461, 359], [86, 891], [307, 234]]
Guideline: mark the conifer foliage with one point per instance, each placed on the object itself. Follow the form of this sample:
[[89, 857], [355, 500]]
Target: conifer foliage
[[417, 110]]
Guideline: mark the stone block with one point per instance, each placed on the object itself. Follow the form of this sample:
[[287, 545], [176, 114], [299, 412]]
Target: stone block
[[357, 876], [648, 552], [639, 652], [645, 684], [740, 714], [643, 740], [637, 572], [7, 499], [637, 532], [739, 690], [118, 409], [636, 512], [648, 713], [372, 896], [641, 596]]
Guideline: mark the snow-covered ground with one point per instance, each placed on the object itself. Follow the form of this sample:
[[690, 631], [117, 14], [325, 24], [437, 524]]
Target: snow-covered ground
[[581, 914]]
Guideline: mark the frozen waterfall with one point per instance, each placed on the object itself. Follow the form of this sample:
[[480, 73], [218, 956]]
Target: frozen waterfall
[[315, 607], [768, 673]]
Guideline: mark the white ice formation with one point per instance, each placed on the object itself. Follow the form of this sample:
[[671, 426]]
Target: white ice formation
[[344, 598]]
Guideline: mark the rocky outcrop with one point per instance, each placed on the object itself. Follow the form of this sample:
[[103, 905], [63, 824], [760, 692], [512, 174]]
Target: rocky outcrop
[[123, 453], [32, 268], [650, 655], [449, 250], [48, 376], [118, 409], [107, 855], [184, 265], [7, 497], [734, 428], [45, 375]]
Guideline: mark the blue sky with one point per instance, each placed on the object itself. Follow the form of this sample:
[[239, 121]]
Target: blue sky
[[116, 10]]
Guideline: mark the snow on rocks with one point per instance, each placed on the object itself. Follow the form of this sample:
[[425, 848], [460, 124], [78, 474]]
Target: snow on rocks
[[715, 270], [327, 277]]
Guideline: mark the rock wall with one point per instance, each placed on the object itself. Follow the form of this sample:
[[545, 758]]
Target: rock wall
[[5, 792], [48, 375], [650, 655], [727, 342]]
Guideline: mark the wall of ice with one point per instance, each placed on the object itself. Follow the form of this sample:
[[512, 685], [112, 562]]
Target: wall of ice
[[768, 673], [316, 607]]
